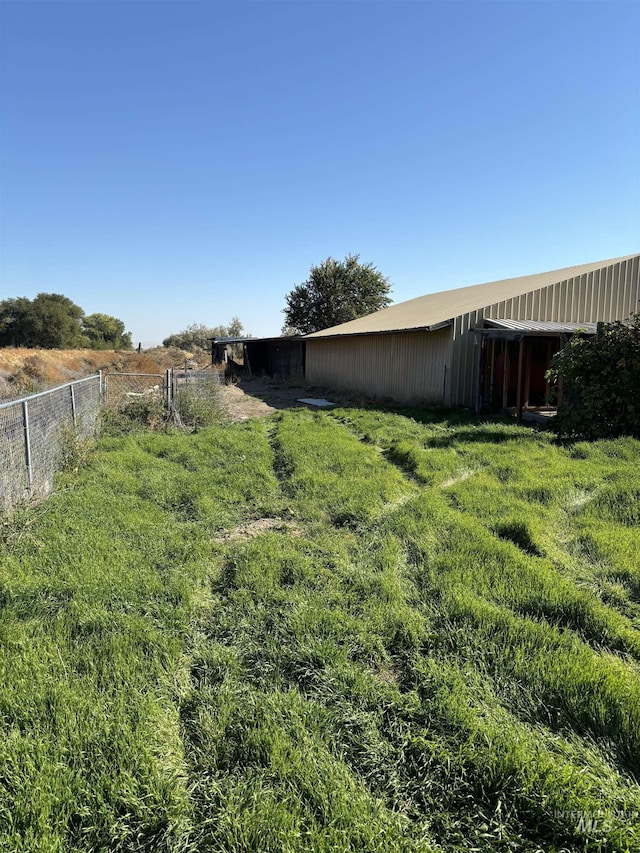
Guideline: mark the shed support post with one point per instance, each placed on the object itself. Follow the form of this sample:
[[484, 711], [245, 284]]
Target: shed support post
[[519, 391], [505, 380], [492, 373], [547, 387], [527, 373], [563, 343], [479, 348]]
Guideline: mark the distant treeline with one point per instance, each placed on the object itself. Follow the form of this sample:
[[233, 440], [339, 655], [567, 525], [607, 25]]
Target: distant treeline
[[198, 336], [52, 321]]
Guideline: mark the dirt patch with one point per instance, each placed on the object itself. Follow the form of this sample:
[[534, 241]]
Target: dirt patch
[[257, 398], [254, 528]]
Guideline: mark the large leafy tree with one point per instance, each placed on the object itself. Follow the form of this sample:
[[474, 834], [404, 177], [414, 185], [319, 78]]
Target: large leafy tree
[[196, 336], [335, 292], [14, 320], [53, 321], [106, 332], [601, 382], [50, 321]]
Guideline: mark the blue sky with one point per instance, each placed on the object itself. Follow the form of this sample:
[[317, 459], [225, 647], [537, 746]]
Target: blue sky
[[179, 162]]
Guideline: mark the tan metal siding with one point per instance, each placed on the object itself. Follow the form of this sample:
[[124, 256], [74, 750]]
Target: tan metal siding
[[405, 366], [463, 360], [608, 294], [411, 365]]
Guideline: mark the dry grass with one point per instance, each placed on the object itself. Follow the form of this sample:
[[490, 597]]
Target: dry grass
[[26, 371]]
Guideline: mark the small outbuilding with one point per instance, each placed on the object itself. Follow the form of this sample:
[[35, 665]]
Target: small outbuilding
[[487, 345], [281, 358]]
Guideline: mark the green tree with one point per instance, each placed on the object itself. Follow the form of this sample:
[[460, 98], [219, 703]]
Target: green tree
[[601, 382], [197, 336], [334, 293], [50, 321], [106, 332], [14, 314], [53, 321], [56, 322]]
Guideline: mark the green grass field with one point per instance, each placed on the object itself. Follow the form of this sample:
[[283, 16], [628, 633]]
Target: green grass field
[[348, 631]]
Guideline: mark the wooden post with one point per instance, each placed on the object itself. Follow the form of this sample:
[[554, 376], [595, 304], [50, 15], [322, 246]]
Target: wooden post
[[505, 378], [519, 391], [479, 348], [492, 377], [547, 390], [563, 342], [527, 373]]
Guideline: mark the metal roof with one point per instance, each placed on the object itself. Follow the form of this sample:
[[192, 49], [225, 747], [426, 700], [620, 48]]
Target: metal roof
[[542, 326], [433, 309], [248, 339]]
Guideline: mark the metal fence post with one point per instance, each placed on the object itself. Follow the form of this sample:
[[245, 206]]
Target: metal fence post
[[73, 406], [100, 389], [169, 389], [27, 444]]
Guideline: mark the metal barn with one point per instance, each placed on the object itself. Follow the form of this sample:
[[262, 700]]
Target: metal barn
[[488, 344]]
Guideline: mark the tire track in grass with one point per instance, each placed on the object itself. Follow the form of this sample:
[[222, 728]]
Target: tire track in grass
[[601, 554], [408, 456], [397, 459], [330, 473], [626, 641], [570, 601], [560, 600], [261, 735], [291, 615]]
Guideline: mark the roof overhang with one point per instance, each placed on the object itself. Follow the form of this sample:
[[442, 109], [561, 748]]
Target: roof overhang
[[515, 329], [249, 340]]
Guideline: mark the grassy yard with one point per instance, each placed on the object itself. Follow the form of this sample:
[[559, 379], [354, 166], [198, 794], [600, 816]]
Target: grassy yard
[[347, 631]]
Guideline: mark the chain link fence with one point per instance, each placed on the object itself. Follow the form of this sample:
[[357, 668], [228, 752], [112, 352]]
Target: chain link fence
[[33, 431], [122, 387], [200, 380], [194, 396]]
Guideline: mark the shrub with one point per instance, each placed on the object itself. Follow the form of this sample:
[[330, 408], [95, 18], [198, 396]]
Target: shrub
[[198, 403], [601, 377], [145, 412]]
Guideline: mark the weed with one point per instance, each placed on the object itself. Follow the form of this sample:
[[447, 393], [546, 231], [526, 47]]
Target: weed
[[132, 414], [75, 448], [198, 403]]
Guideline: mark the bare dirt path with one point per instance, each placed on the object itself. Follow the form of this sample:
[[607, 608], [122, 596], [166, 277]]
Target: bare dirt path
[[257, 398]]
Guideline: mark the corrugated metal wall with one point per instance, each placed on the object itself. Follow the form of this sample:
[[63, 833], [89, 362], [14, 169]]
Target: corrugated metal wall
[[406, 366], [441, 367], [610, 293]]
